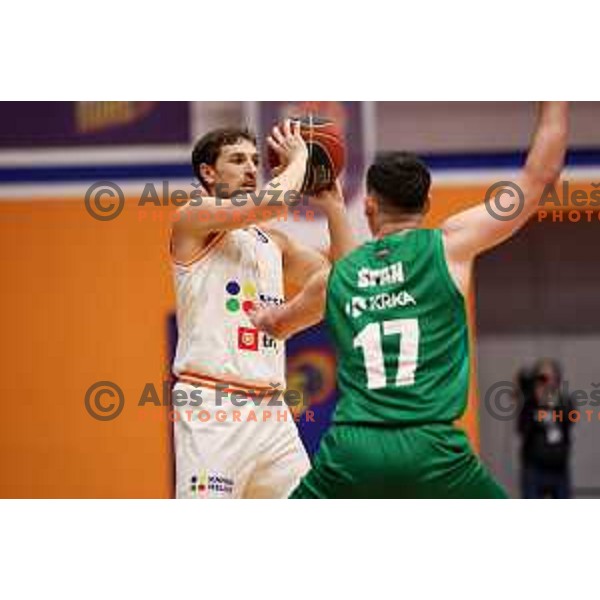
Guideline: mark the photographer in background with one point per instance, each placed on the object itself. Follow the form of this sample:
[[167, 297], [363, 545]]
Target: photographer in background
[[545, 431]]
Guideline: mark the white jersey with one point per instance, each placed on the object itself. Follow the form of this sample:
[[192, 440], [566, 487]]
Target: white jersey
[[217, 342]]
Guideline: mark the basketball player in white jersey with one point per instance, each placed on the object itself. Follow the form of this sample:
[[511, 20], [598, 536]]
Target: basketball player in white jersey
[[226, 263]]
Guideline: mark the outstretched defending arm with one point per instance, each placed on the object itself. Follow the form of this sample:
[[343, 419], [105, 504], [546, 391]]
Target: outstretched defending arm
[[475, 230]]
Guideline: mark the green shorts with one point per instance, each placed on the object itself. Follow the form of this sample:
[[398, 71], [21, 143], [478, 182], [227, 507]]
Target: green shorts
[[423, 461]]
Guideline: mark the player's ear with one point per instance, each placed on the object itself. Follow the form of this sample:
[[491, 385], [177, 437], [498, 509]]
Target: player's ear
[[427, 205], [209, 174], [370, 206]]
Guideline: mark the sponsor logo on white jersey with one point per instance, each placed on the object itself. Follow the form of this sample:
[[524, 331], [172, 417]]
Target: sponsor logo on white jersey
[[241, 297], [211, 483]]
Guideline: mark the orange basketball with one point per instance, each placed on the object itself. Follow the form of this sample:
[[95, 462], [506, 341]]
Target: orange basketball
[[326, 153]]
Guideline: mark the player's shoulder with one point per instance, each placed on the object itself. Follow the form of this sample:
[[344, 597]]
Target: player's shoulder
[[275, 235], [286, 243], [414, 239], [354, 258], [188, 251], [417, 240]]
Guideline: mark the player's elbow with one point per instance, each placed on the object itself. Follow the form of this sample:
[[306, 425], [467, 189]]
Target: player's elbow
[[543, 175], [546, 170]]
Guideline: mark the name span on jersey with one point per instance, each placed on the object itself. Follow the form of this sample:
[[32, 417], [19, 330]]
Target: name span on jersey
[[384, 276]]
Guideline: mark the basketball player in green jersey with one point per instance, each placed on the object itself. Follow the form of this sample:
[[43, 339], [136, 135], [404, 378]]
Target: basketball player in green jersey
[[396, 310]]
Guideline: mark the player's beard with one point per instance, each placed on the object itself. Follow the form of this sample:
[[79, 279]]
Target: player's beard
[[249, 185], [246, 187]]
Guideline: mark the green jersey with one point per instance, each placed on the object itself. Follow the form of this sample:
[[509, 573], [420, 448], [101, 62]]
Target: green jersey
[[400, 327]]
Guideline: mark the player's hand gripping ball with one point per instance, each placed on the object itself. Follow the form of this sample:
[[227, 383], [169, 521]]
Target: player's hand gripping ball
[[326, 153]]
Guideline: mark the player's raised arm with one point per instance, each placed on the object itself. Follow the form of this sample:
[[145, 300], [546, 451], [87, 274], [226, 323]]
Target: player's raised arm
[[244, 208], [473, 231]]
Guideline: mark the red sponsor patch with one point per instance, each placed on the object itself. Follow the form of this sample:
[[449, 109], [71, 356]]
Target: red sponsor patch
[[248, 338]]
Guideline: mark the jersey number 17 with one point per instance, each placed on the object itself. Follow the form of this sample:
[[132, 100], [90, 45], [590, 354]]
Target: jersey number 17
[[369, 340]]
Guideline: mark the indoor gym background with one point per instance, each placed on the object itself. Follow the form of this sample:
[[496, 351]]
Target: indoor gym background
[[85, 300]]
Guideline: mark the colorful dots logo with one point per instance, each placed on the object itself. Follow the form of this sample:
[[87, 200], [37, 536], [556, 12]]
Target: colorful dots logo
[[249, 289], [199, 484], [248, 296], [233, 288], [232, 305]]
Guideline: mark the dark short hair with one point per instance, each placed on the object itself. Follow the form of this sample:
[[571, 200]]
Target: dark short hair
[[400, 181], [207, 148]]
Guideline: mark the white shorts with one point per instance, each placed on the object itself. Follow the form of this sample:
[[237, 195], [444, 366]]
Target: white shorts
[[228, 451]]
